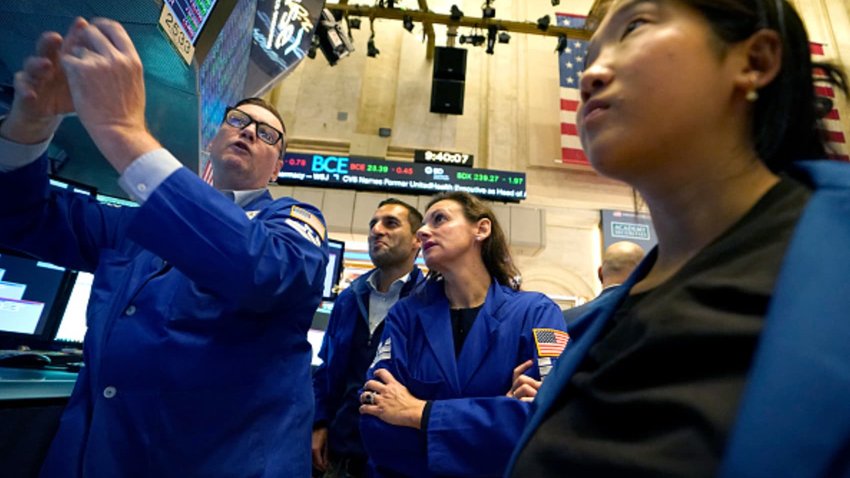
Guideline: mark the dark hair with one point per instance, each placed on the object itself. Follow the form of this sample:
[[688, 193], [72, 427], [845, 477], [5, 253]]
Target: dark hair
[[786, 117], [414, 217], [265, 104], [494, 250]]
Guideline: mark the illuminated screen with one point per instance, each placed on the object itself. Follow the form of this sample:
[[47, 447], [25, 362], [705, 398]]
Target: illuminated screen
[[78, 188], [334, 268], [222, 74], [28, 290], [115, 201], [315, 338], [283, 30], [72, 327], [191, 15], [362, 173], [317, 329]]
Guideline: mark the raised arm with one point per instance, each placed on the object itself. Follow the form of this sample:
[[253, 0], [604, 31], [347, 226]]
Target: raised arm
[[63, 228]]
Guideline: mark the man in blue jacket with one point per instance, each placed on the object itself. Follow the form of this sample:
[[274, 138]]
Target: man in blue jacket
[[196, 352], [352, 337]]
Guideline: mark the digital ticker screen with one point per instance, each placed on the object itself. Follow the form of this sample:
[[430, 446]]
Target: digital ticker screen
[[191, 15], [302, 169]]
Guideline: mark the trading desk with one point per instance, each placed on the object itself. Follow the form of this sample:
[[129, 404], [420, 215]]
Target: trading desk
[[31, 403]]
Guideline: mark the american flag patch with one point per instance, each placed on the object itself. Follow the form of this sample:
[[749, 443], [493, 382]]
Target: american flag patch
[[550, 342]]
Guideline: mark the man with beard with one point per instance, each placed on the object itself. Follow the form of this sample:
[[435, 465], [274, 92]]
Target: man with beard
[[352, 337]]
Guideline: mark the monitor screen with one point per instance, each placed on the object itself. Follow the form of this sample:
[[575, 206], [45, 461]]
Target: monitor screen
[[72, 327], [29, 292], [115, 201], [317, 330], [281, 36], [334, 268], [315, 337], [79, 188]]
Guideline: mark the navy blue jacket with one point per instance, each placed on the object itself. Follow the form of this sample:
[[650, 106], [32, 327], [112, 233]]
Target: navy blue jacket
[[472, 426], [196, 351], [351, 306], [570, 315], [794, 418]]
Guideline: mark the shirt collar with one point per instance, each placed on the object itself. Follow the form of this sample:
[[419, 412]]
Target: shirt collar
[[243, 197], [372, 280]]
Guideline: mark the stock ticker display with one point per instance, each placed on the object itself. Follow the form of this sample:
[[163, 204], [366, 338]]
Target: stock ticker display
[[302, 169], [191, 15]]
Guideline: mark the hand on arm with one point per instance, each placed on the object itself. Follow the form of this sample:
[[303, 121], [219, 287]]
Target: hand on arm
[[320, 448], [106, 82], [524, 387], [391, 401]]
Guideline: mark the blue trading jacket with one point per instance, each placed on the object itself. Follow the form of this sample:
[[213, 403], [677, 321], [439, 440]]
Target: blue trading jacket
[[794, 418], [351, 305], [196, 349], [472, 426]]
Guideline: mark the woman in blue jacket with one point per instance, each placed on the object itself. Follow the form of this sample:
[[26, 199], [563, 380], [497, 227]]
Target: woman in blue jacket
[[725, 353], [435, 403]]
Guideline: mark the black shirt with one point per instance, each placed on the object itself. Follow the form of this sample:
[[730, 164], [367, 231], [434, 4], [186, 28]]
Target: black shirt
[[462, 320], [656, 396]]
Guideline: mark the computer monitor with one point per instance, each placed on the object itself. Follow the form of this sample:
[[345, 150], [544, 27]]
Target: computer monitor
[[317, 329], [115, 201], [30, 299], [333, 273], [79, 188], [334, 269], [72, 325]]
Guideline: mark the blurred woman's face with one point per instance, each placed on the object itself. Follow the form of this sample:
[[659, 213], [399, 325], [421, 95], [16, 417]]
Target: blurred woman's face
[[446, 235], [654, 88]]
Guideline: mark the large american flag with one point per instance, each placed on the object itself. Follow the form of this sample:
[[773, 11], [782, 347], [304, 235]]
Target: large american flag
[[832, 122], [206, 169], [571, 63]]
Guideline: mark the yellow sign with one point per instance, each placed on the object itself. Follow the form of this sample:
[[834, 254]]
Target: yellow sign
[[178, 38]]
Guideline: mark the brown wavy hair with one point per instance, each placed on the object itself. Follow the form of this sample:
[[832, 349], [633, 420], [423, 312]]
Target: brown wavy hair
[[494, 249]]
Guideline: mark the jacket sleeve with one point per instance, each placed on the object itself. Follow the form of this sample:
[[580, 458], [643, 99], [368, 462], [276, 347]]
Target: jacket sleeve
[[391, 447], [57, 226], [252, 264], [476, 436]]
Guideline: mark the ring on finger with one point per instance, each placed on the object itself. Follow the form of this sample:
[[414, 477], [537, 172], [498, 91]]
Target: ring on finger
[[369, 398]]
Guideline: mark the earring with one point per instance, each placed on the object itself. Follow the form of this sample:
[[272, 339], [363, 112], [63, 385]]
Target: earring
[[752, 95], [752, 92]]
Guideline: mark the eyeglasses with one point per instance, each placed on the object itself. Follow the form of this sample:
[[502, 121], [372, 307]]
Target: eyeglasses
[[239, 119]]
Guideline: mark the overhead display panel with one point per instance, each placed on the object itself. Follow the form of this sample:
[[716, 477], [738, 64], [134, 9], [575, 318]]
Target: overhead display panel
[[185, 23], [305, 169]]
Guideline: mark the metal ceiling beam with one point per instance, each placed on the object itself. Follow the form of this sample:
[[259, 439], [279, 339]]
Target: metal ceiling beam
[[528, 28], [429, 31]]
